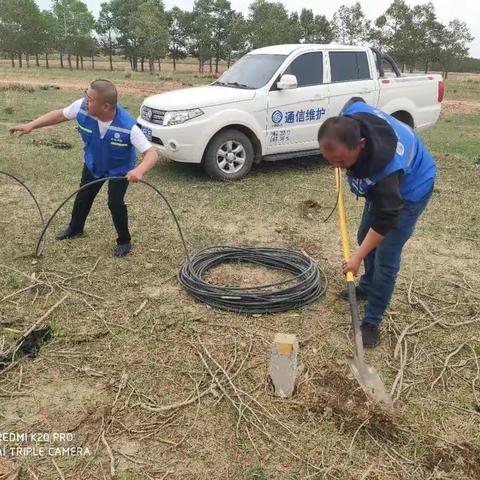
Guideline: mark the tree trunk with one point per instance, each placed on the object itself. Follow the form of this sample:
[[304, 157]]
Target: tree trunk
[[159, 65], [229, 59], [426, 67], [20, 62], [445, 74], [111, 59], [93, 61], [12, 58], [77, 62], [151, 65], [46, 60], [142, 62], [61, 60], [216, 64], [69, 58], [37, 61], [174, 62], [211, 65], [27, 58], [200, 64]]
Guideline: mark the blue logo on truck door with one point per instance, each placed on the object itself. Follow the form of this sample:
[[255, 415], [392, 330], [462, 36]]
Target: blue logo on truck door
[[298, 116], [277, 116]]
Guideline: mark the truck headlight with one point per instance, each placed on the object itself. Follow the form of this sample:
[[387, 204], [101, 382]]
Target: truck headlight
[[181, 116]]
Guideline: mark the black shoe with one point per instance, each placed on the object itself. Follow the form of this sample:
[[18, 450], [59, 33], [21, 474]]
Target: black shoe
[[69, 232], [122, 250], [359, 292], [370, 335]]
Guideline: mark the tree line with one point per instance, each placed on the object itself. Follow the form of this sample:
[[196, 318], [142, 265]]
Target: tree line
[[144, 32]]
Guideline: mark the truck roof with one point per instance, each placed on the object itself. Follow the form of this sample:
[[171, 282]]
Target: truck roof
[[287, 49]]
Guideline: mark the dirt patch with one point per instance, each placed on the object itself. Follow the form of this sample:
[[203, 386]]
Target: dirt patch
[[309, 209], [337, 396], [461, 107], [8, 470], [464, 456], [56, 404], [75, 84], [243, 275], [53, 143]]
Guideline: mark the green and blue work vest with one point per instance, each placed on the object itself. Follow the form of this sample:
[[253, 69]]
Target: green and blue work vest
[[110, 156], [411, 157]]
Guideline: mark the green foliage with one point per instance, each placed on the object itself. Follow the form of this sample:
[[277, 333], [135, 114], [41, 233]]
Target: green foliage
[[351, 25], [269, 24], [213, 32], [315, 29]]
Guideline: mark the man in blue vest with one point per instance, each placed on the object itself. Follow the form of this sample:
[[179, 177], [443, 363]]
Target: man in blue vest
[[387, 164], [111, 138]]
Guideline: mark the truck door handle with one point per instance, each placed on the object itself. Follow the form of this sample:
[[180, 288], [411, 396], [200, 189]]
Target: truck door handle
[[318, 97]]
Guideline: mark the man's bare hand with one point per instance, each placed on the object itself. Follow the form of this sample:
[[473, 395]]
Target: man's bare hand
[[353, 264], [135, 175], [22, 129]]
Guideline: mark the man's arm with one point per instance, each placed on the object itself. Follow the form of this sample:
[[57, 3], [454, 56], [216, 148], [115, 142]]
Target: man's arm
[[50, 118], [150, 158]]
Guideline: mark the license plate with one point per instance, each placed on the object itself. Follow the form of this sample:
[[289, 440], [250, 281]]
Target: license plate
[[148, 133]]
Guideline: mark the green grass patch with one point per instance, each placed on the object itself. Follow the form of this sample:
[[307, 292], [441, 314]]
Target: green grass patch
[[455, 135]]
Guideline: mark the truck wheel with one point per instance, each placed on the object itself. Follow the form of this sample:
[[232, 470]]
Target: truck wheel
[[229, 156]]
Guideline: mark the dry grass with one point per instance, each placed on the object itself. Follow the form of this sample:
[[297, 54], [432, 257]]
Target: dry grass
[[159, 386]]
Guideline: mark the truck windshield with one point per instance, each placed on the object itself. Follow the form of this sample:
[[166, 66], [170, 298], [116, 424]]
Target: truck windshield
[[251, 71]]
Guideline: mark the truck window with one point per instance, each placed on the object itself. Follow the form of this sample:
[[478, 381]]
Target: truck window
[[349, 66], [388, 69], [308, 68], [251, 71]]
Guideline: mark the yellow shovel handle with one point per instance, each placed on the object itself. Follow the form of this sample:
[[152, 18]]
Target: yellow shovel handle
[[343, 221]]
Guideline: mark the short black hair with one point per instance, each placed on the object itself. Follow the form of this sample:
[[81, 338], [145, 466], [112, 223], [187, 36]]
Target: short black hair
[[345, 130], [106, 91]]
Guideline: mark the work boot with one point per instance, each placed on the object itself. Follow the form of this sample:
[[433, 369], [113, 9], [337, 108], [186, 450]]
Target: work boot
[[69, 232], [361, 294], [370, 335], [122, 249]]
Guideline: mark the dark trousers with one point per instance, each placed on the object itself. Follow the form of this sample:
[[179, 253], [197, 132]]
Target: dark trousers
[[118, 209], [383, 263]]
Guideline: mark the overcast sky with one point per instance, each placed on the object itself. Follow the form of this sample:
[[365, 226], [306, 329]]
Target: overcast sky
[[466, 10]]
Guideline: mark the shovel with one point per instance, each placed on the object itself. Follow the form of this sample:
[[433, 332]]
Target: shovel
[[366, 376]]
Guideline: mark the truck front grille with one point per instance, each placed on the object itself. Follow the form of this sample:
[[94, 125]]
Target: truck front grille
[[152, 115]]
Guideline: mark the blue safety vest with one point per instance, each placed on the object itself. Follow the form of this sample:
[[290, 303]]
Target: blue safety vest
[[411, 156], [112, 155]]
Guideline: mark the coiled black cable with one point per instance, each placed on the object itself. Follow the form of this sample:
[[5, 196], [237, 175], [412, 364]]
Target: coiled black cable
[[308, 282], [306, 285]]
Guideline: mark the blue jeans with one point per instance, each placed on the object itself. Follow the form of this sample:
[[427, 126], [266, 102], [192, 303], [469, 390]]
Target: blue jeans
[[383, 263]]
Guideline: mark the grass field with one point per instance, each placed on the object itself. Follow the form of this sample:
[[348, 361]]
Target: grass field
[[111, 368]]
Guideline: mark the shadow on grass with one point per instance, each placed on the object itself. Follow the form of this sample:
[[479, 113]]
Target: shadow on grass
[[170, 170]]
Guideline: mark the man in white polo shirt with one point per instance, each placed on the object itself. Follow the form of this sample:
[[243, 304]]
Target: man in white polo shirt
[[111, 140]]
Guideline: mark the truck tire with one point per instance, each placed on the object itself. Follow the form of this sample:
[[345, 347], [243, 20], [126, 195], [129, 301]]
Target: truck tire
[[229, 156]]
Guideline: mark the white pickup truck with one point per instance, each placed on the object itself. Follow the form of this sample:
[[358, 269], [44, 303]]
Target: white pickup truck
[[270, 104]]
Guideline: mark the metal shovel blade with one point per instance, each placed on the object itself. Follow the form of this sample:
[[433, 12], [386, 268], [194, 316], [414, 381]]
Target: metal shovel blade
[[370, 382], [366, 376]]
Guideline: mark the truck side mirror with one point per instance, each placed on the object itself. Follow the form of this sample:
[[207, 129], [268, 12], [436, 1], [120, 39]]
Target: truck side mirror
[[287, 82]]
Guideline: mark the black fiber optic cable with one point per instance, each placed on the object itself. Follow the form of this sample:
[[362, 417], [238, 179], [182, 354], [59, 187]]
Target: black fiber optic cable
[[308, 281]]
